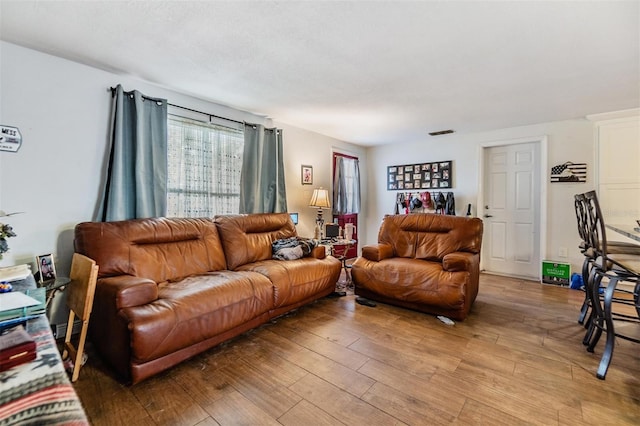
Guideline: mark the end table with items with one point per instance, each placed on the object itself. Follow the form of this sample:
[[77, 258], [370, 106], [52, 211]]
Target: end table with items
[[39, 391], [341, 250]]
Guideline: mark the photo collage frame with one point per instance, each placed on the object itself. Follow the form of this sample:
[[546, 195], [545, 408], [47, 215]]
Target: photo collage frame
[[436, 175]]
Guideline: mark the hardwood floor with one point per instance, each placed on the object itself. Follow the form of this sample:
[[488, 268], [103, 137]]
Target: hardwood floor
[[518, 359]]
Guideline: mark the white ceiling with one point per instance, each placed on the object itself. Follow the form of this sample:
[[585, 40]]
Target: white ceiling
[[365, 72]]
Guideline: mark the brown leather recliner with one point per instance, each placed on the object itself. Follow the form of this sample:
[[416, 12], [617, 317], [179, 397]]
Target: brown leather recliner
[[426, 262], [169, 288]]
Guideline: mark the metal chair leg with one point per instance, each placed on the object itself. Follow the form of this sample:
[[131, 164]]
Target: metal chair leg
[[607, 354], [587, 302], [594, 332]]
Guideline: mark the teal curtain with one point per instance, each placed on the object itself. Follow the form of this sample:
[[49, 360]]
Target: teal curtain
[[136, 182], [346, 186], [262, 186]]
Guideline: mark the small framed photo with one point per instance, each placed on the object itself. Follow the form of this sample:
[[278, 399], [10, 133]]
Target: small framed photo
[[46, 268], [307, 175]]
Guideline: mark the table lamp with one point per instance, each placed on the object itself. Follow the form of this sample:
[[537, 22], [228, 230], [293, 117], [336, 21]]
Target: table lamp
[[319, 200]]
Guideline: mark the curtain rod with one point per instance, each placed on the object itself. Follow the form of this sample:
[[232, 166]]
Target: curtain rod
[[113, 89]]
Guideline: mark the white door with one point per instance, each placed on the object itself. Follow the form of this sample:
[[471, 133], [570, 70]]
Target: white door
[[511, 241]]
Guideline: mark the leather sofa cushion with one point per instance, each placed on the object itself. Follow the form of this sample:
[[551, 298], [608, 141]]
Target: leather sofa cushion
[[415, 281], [248, 238], [194, 309], [296, 280], [160, 249]]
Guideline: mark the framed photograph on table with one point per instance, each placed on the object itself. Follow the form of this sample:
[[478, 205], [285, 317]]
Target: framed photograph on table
[[46, 268], [307, 175]]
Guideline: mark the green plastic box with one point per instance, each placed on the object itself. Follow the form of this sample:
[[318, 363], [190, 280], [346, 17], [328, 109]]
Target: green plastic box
[[557, 273]]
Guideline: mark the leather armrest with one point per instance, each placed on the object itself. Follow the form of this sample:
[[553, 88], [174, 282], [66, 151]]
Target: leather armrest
[[319, 252], [377, 252], [128, 291], [458, 261]]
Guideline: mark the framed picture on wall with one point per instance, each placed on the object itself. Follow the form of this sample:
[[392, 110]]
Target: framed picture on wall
[[46, 268], [420, 176], [307, 175]]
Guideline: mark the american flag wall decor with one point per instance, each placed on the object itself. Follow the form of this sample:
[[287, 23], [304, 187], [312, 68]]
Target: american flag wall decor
[[569, 172]]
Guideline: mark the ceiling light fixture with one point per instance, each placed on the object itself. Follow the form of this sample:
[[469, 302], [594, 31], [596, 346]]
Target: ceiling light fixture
[[441, 132]]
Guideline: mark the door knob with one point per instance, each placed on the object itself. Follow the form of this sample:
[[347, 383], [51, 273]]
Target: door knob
[[488, 215]]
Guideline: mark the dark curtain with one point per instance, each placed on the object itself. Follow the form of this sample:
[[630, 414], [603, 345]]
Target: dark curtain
[[262, 186], [136, 183]]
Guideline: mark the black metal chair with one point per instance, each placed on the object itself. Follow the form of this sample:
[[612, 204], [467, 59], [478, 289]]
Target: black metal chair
[[589, 252], [615, 268]]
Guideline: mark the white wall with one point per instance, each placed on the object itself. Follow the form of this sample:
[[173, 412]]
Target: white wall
[[571, 140], [62, 110], [304, 147]]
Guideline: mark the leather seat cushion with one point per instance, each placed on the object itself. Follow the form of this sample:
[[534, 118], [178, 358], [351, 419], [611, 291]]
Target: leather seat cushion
[[412, 280], [296, 280], [194, 309]]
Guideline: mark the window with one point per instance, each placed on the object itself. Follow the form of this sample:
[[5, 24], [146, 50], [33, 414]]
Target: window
[[346, 184], [346, 196], [204, 163]]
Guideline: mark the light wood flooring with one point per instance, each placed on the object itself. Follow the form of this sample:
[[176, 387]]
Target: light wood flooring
[[518, 359]]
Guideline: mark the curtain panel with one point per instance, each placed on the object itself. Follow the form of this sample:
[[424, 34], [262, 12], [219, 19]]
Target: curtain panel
[[136, 182], [262, 185], [346, 186]]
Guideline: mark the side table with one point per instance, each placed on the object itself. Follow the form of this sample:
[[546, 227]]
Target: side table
[[339, 250]]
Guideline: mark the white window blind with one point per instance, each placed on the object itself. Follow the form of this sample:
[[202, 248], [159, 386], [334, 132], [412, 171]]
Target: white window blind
[[204, 163]]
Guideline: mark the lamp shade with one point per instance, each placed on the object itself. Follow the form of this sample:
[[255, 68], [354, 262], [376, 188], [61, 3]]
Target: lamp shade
[[320, 199]]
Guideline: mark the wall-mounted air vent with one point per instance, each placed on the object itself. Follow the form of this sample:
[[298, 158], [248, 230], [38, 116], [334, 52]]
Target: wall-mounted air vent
[[441, 132]]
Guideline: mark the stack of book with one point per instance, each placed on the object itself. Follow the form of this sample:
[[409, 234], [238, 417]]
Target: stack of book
[[18, 307], [12, 273], [16, 347]]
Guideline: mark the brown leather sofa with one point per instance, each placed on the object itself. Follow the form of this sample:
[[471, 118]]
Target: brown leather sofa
[[426, 262], [171, 288]]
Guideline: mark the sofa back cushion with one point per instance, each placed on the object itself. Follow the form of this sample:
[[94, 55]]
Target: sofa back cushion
[[430, 236], [160, 249], [248, 238]]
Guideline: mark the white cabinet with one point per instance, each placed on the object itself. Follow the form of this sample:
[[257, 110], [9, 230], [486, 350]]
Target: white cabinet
[[618, 166]]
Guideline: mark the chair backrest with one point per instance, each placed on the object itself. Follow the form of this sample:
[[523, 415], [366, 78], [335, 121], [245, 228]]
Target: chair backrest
[[160, 249], [581, 216], [430, 236], [80, 291], [596, 236], [247, 238]]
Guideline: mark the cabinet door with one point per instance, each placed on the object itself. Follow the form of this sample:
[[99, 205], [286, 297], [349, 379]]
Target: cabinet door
[[618, 170]]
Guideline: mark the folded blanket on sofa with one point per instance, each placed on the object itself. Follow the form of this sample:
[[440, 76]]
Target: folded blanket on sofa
[[292, 248]]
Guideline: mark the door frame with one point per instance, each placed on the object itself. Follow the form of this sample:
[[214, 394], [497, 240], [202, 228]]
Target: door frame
[[541, 141]]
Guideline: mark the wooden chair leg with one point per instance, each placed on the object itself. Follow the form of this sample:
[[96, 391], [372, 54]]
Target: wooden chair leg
[[67, 336], [77, 362]]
